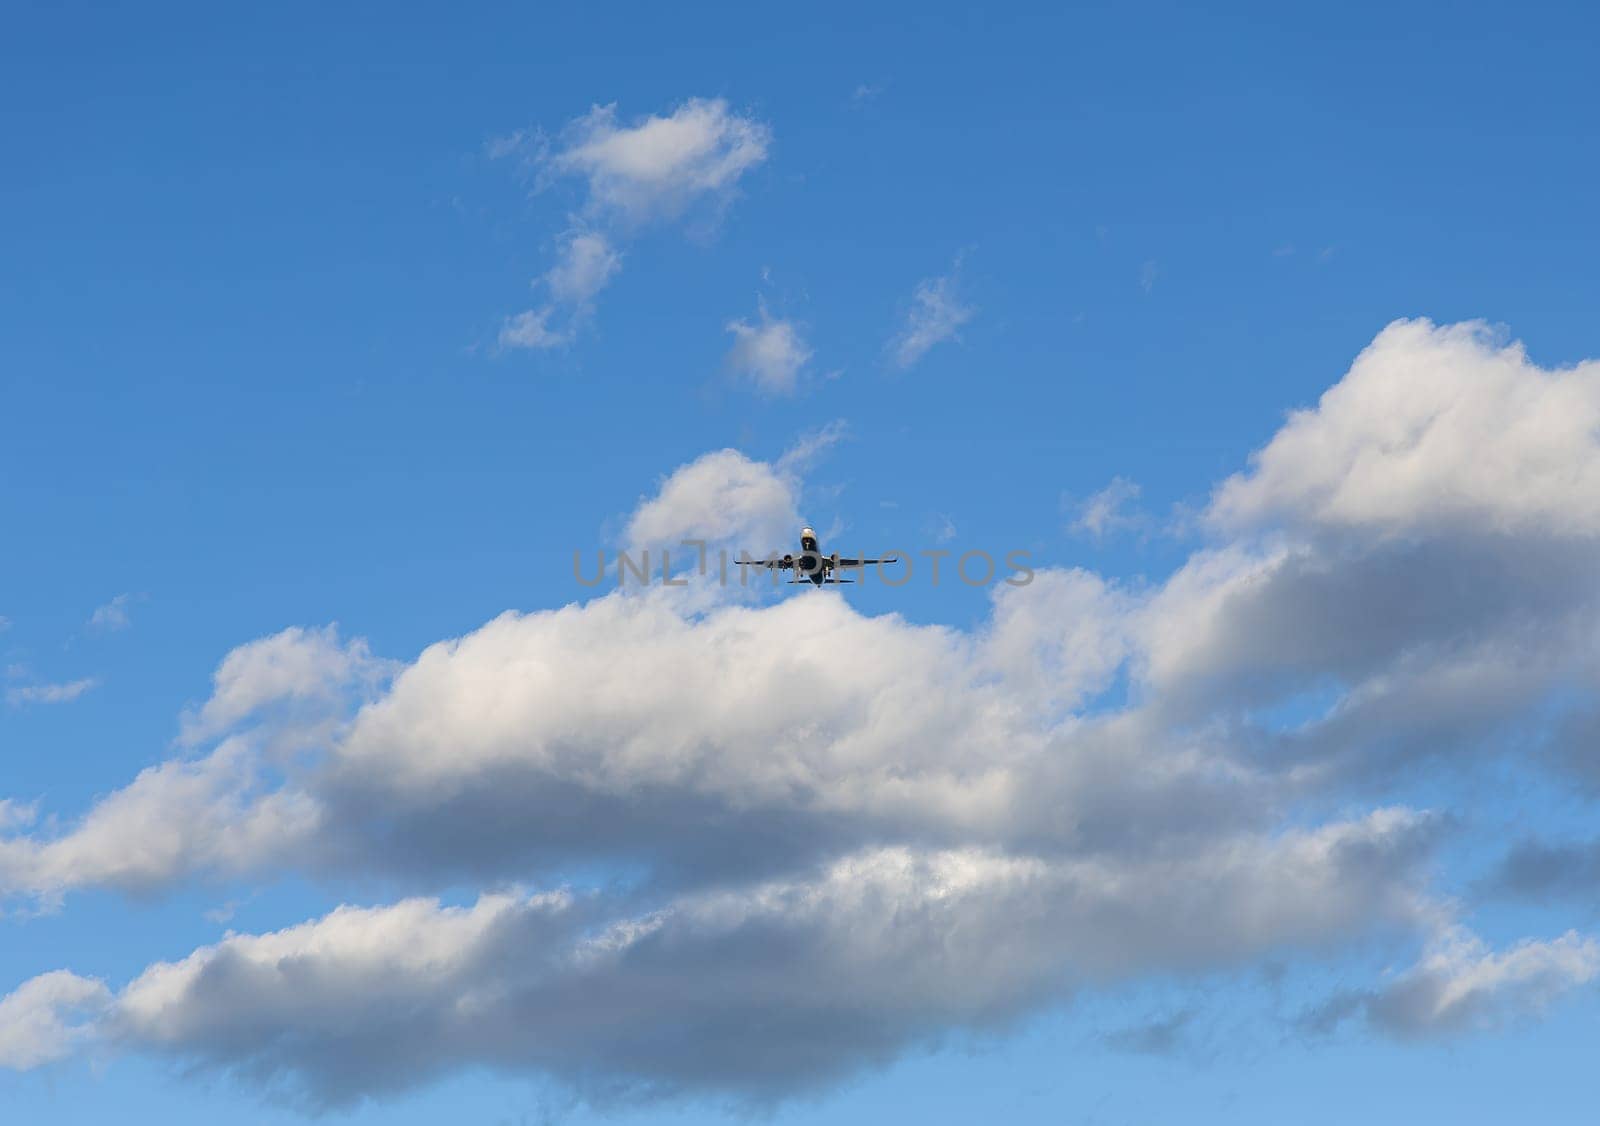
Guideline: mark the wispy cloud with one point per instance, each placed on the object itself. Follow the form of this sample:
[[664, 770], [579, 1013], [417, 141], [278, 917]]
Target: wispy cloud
[[657, 169], [20, 695], [113, 615], [936, 314], [1160, 1036], [1106, 511], [1461, 984], [531, 329], [768, 352], [810, 446], [588, 261], [868, 92]]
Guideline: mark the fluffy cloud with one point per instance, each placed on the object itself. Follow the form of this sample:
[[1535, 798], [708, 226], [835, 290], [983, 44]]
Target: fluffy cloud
[[1435, 428], [43, 1019], [180, 818], [837, 968], [936, 315], [297, 668], [769, 353], [844, 833], [720, 497], [658, 167], [229, 810]]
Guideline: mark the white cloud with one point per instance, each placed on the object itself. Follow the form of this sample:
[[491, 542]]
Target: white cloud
[[45, 1018], [530, 329], [113, 615], [868, 92], [720, 497], [227, 811], [19, 695], [810, 447], [588, 262], [854, 832], [1434, 427], [840, 967], [936, 315], [659, 166], [181, 818], [769, 353], [296, 667], [1107, 512], [657, 169]]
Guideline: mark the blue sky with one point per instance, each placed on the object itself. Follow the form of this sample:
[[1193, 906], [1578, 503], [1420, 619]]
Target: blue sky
[[262, 372]]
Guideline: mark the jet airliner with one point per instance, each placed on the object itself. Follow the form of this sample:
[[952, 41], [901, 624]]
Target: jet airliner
[[811, 566]]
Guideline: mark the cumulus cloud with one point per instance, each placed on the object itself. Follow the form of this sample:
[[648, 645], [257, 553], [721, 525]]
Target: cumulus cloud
[[213, 816], [839, 968], [846, 833], [227, 811], [659, 166], [46, 1017], [731, 500], [769, 353], [720, 497], [1434, 428], [936, 315], [657, 169], [295, 668]]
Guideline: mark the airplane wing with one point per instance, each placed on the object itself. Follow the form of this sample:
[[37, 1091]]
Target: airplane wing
[[843, 562], [783, 564]]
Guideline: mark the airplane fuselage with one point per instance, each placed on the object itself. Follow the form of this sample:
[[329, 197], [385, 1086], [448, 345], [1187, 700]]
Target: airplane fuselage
[[810, 565]]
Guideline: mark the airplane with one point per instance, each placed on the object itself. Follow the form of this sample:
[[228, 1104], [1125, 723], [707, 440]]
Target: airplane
[[811, 566]]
